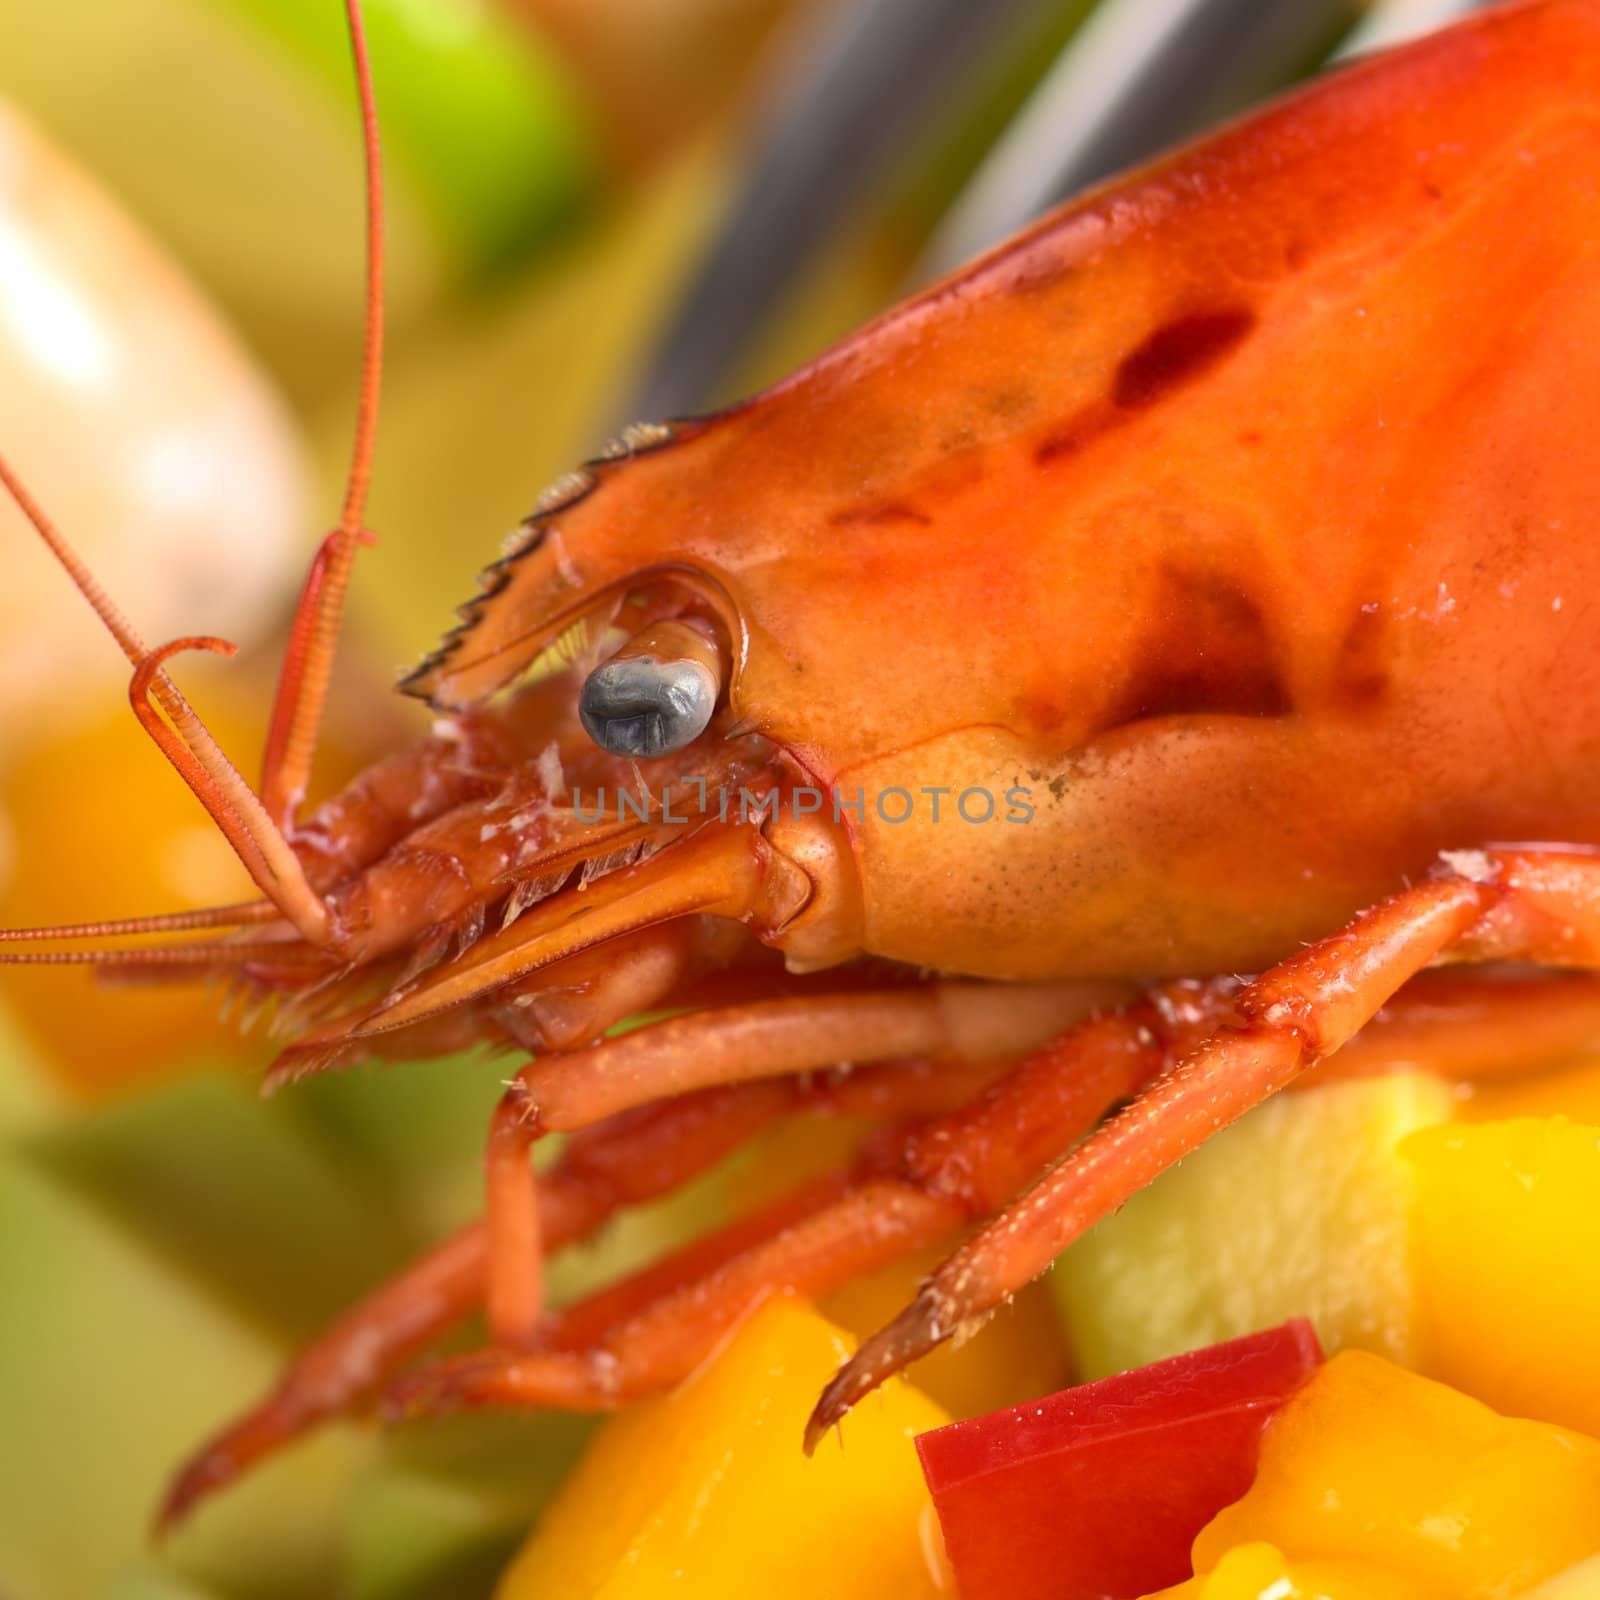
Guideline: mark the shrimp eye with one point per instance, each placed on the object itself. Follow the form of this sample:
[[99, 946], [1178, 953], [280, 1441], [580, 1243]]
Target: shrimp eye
[[656, 695]]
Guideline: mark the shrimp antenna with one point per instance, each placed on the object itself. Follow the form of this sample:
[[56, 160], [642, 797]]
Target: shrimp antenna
[[184, 738], [255, 826], [308, 660], [240, 915]]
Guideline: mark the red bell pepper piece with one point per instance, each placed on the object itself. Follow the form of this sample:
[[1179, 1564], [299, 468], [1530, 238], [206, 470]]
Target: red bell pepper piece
[[1097, 1493]]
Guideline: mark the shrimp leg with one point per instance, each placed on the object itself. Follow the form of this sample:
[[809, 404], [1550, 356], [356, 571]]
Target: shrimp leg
[[1526, 905]]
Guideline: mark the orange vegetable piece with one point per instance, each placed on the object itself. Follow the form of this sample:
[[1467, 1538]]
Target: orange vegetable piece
[[1508, 1264], [1581, 1582], [1370, 1463], [1261, 1572], [704, 1492], [1573, 1091], [161, 853]]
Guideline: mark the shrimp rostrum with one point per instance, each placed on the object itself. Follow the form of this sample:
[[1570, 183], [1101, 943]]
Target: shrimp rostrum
[[1201, 584]]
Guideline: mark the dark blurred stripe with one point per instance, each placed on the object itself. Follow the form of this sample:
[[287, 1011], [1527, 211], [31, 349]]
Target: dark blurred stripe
[[877, 74], [1140, 76]]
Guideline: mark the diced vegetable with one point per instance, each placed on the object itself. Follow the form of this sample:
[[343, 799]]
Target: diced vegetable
[[1581, 1582], [1260, 1572], [1509, 1264], [1099, 1491], [706, 1492], [1304, 1208], [159, 853], [1572, 1092], [1369, 1463]]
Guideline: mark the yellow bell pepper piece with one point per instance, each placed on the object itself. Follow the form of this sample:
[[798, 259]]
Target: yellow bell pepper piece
[[1574, 1092], [1508, 1264], [1369, 1463], [706, 1492], [1261, 1572], [1581, 1582]]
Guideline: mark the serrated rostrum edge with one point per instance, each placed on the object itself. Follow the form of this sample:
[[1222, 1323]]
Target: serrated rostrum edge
[[639, 438]]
